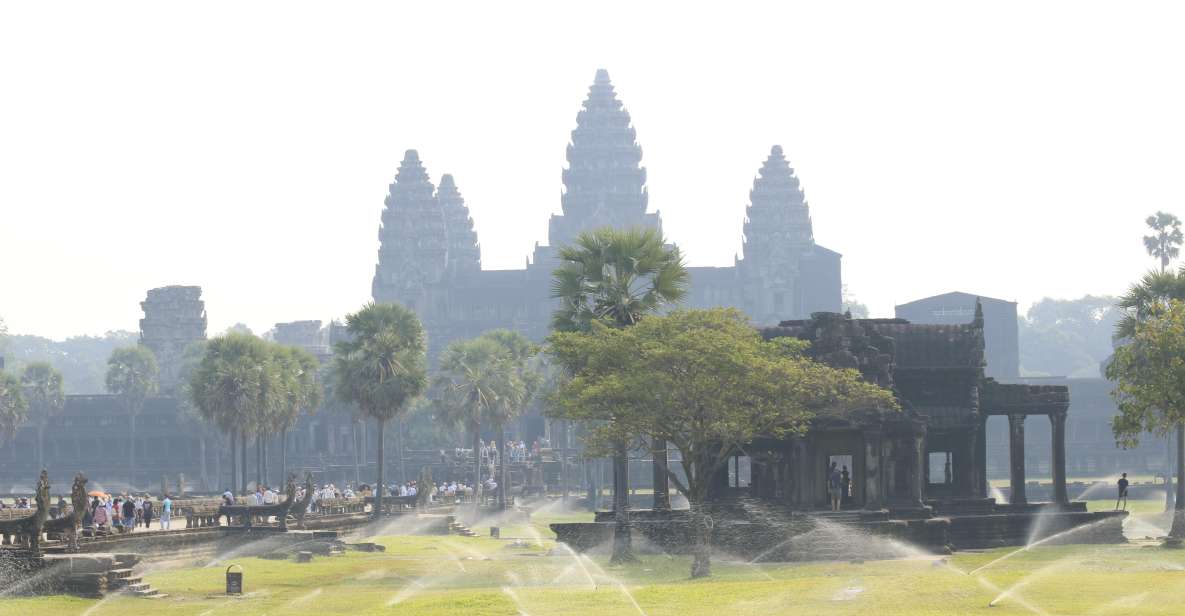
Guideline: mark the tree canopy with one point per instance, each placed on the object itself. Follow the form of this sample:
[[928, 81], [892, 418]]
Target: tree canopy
[[702, 380], [132, 375], [1165, 242], [13, 408], [236, 385], [1149, 375], [616, 276]]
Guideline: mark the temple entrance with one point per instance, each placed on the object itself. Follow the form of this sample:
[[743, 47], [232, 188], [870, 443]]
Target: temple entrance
[[846, 468]]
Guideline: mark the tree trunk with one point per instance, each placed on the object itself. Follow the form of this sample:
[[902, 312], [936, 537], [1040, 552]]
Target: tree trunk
[[1169, 493], [258, 460], [503, 459], [476, 470], [202, 452], [132, 455], [1177, 531], [243, 465], [378, 488], [564, 465], [234, 460], [354, 441], [623, 551], [284, 458], [399, 450], [41, 444], [701, 564]]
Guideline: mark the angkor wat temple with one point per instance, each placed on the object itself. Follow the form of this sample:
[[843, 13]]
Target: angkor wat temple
[[430, 258]]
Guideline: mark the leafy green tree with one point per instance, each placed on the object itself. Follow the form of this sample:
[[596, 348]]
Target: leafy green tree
[[132, 374], [381, 368], [46, 397], [235, 387], [616, 278], [707, 383], [13, 407], [1149, 373], [1165, 242]]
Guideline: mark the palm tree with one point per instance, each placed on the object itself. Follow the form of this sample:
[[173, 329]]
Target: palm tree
[[132, 375], [302, 393], [519, 382], [233, 387], [1143, 300], [381, 368], [469, 385], [617, 277], [13, 408], [1165, 242], [46, 397]]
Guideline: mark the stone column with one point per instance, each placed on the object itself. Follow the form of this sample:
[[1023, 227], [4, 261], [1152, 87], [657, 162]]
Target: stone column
[[662, 490], [980, 448], [918, 481], [1016, 455], [873, 494], [1057, 422]]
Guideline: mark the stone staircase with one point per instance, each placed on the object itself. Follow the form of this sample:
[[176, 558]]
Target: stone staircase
[[126, 581], [457, 528]]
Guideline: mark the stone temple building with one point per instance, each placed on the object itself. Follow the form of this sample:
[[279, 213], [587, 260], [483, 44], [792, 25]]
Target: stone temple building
[[174, 318], [430, 257]]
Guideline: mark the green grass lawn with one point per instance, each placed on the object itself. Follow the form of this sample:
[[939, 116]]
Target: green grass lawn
[[469, 576]]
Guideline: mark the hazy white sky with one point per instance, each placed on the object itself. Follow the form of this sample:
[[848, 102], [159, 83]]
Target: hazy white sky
[[1007, 149]]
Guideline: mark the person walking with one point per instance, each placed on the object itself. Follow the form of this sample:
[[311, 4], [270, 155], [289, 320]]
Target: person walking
[[147, 513], [129, 515], [166, 512], [833, 486], [845, 486], [1122, 484]]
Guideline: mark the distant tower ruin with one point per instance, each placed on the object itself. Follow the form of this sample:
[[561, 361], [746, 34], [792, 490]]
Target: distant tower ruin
[[174, 318]]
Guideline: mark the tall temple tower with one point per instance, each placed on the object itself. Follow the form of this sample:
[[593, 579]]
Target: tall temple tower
[[174, 318], [413, 250], [605, 183], [783, 273], [464, 252]]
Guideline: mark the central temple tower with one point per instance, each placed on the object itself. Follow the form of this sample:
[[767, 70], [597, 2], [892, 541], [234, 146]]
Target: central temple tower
[[605, 183]]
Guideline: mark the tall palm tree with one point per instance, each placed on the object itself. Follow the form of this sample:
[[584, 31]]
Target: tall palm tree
[[302, 393], [234, 387], [1166, 239], [132, 374], [381, 368], [1143, 300], [46, 397], [13, 407], [520, 381], [617, 277], [469, 384]]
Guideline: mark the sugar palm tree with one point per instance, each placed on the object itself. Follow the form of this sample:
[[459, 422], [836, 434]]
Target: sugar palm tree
[[617, 277], [469, 384], [520, 380], [1165, 242], [46, 397], [132, 374], [13, 407], [302, 393], [234, 387], [381, 368]]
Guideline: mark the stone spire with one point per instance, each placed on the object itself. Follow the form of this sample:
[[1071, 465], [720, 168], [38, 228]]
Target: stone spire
[[778, 219], [777, 236], [413, 249], [464, 253], [604, 184], [174, 318]]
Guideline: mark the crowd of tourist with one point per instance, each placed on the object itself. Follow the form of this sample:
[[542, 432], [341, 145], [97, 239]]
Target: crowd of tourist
[[124, 513]]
